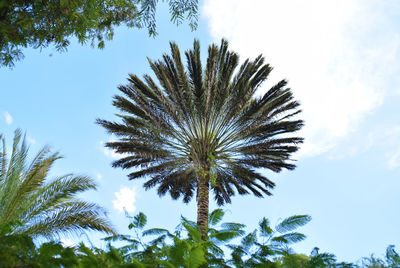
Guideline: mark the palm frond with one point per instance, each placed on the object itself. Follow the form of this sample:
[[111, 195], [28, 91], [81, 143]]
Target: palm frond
[[289, 238], [139, 221], [216, 216], [32, 204], [292, 223]]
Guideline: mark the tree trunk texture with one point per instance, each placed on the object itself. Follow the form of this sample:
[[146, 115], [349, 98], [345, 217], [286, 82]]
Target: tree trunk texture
[[203, 188]]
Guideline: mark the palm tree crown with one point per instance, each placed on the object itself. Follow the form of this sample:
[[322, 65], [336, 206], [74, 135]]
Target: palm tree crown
[[197, 129], [32, 205]]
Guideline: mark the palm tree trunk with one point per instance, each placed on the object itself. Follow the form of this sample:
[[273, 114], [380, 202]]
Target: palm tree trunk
[[202, 204]]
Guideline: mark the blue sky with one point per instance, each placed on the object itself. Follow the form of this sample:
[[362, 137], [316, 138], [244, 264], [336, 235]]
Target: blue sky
[[341, 60]]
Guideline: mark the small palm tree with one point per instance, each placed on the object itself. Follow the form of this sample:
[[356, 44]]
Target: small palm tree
[[201, 130], [265, 243], [32, 205], [182, 248]]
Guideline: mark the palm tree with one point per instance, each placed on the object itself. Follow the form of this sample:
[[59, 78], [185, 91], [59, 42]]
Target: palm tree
[[32, 205], [204, 129]]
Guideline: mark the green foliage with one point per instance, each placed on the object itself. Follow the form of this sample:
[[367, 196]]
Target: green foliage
[[374, 262], [15, 250], [186, 248], [318, 259], [38, 24], [32, 204], [20, 251], [392, 257], [183, 248], [293, 260], [139, 221], [264, 244], [216, 216], [157, 247], [292, 223]]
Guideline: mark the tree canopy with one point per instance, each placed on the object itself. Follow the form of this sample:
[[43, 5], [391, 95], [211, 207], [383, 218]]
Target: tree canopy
[[38, 24]]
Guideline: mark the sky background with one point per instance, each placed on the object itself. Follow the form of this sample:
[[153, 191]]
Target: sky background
[[341, 59]]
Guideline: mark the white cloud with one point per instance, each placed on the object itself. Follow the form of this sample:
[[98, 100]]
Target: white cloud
[[383, 142], [99, 177], [66, 242], [31, 140], [108, 152], [339, 56], [394, 160], [390, 139], [8, 118], [126, 198]]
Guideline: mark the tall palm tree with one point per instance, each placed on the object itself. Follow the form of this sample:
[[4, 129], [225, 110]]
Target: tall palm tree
[[204, 129], [33, 205]]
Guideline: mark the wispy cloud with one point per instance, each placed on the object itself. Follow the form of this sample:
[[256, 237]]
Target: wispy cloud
[[335, 55], [9, 119], [99, 177], [66, 242], [383, 142], [394, 160], [31, 140], [390, 140], [108, 152], [126, 198]]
